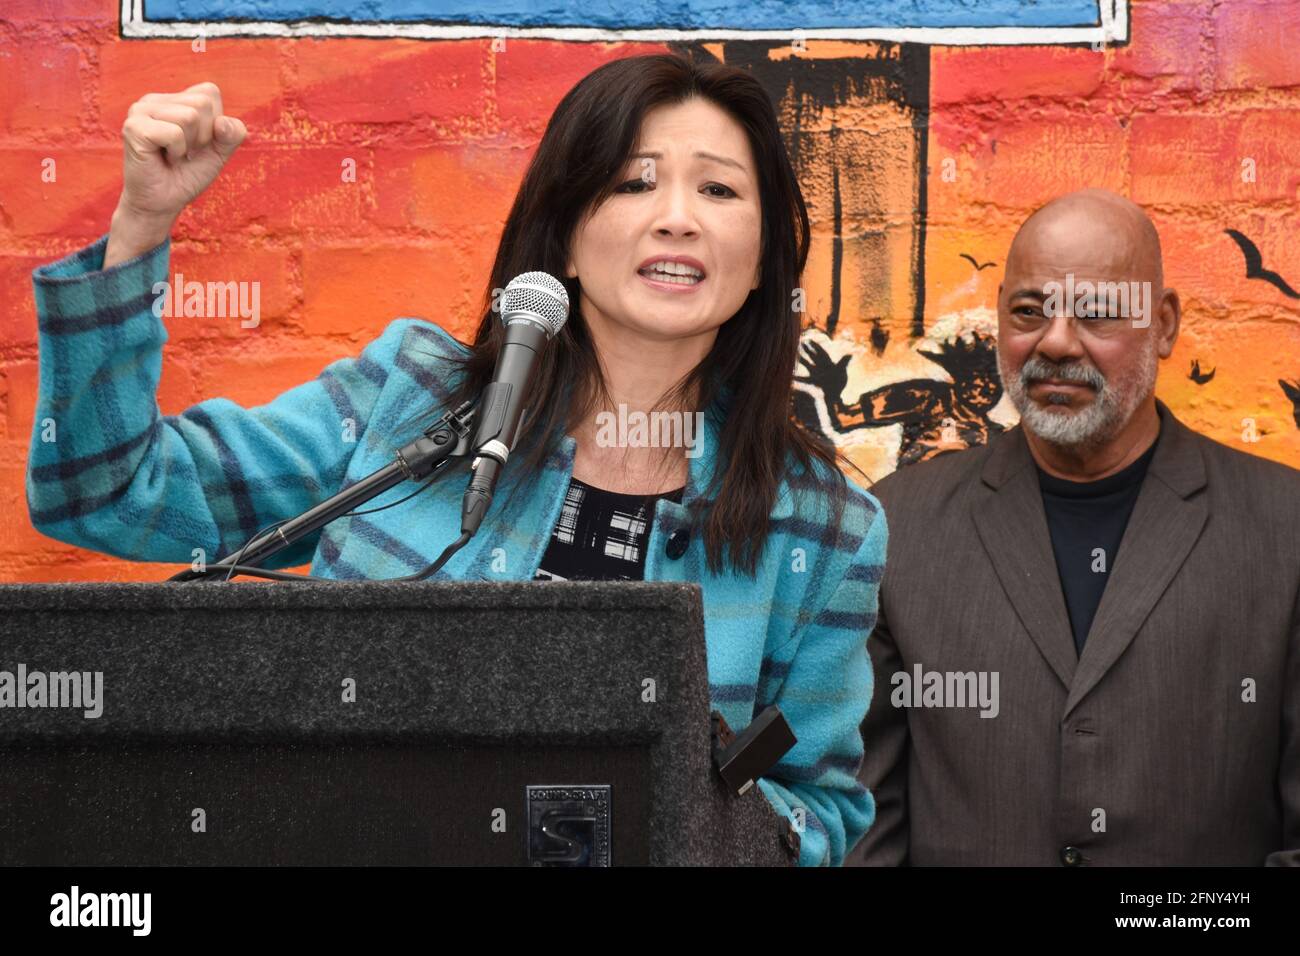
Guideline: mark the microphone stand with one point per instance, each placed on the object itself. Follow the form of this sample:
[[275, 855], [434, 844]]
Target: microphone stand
[[449, 438]]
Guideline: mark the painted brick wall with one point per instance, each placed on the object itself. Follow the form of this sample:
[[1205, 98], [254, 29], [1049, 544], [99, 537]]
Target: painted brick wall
[[440, 132], [1205, 92]]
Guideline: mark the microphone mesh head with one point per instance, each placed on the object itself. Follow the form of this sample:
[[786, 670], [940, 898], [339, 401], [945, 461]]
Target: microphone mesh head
[[539, 295]]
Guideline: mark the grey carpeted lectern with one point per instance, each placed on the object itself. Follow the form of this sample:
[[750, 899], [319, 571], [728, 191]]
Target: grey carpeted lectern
[[363, 723]]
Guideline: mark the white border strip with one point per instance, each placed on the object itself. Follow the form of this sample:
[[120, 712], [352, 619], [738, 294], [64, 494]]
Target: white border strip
[[1113, 29]]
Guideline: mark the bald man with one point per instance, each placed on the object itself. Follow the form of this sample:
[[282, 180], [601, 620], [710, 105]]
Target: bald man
[[1088, 648]]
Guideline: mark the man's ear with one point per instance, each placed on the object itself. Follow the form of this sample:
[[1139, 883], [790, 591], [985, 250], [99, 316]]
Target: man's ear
[[1170, 320]]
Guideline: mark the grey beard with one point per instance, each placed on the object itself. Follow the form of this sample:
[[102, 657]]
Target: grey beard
[[1100, 420]]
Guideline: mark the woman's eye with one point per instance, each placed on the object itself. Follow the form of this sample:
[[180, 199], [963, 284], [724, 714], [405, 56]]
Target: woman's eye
[[633, 186], [719, 191]]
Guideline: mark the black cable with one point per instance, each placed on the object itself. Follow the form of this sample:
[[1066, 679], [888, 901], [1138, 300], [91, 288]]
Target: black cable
[[442, 559], [206, 573], [256, 535], [436, 476], [253, 570]]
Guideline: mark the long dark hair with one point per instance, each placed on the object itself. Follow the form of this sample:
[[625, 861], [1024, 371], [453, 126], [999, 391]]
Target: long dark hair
[[587, 144]]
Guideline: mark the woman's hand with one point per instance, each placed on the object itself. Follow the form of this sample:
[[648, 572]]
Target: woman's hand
[[174, 145]]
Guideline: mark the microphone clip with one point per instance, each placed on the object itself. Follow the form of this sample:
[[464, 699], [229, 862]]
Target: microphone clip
[[447, 438]]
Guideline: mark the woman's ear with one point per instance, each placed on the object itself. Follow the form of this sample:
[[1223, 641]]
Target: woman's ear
[[758, 277]]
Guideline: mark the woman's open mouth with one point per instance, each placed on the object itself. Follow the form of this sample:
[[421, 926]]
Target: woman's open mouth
[[679, 271]]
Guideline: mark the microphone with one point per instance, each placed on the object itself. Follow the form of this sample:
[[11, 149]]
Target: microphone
[[534, 306]]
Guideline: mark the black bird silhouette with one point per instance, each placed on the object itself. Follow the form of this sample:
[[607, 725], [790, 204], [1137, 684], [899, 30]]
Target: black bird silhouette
[[978, 266], [1199, 377], [1292, 390], [1255, 265]]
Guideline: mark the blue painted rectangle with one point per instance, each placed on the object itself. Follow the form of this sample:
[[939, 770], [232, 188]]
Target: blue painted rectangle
[[649, 14]]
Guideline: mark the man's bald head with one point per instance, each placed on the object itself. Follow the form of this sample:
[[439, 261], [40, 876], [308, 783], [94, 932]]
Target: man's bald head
[[1095, 230]]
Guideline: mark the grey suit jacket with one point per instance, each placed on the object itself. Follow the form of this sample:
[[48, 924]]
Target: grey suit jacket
[[1174, 738]]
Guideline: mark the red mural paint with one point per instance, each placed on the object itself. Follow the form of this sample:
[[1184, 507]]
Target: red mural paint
[[377, 174]]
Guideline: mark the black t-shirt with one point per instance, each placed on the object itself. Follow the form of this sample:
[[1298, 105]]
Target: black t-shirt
[[600, 535], [1086, 520]]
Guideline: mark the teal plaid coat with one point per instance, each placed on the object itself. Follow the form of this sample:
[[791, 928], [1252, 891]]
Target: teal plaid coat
[[124, 479]]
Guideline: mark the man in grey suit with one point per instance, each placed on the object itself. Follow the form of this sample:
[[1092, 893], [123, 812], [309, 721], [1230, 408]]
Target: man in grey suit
[[1088, 648]]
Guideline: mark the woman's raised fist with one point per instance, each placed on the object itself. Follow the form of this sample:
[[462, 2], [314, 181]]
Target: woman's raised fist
[[174, 145]]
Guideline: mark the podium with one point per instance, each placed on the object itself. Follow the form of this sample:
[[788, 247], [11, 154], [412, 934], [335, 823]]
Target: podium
[[364, 723]]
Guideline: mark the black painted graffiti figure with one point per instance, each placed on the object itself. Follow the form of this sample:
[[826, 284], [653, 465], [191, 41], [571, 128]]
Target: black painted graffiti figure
[[937, 417]]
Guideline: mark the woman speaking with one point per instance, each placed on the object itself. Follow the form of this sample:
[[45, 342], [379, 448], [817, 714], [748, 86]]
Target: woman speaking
[[662, 196]]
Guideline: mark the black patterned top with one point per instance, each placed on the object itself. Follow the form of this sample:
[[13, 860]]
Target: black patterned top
[[600, 535]]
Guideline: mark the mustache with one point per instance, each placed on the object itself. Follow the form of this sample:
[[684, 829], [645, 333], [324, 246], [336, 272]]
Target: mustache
[[1039, 369]]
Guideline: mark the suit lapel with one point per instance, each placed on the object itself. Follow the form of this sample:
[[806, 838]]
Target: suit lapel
[[1008, 511], [1167, 519]]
